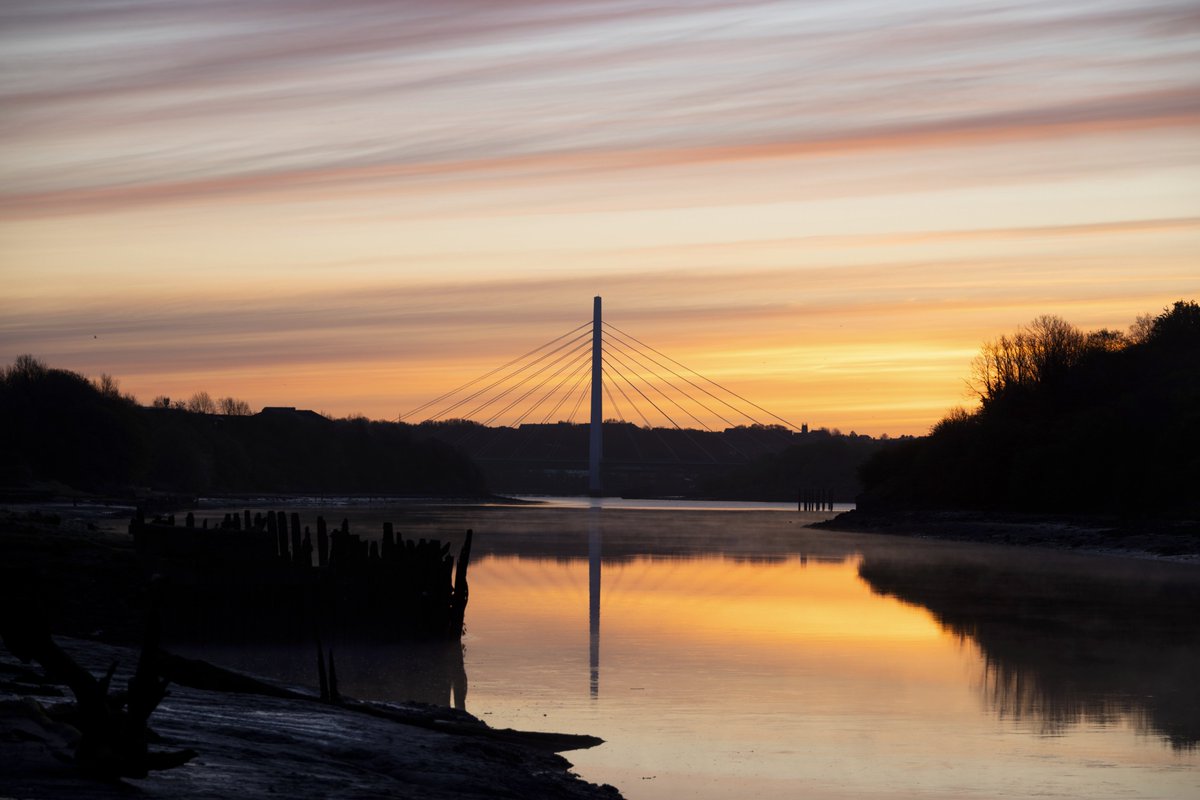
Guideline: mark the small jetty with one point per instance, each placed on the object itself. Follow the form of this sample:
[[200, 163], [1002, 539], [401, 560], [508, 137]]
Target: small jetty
[[264, 576]]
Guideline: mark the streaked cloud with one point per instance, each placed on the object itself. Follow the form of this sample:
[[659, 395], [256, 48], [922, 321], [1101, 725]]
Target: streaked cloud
[[831, 204]]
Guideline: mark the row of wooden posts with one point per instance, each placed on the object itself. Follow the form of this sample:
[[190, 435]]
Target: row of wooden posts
[[268, 565], [814, 500]]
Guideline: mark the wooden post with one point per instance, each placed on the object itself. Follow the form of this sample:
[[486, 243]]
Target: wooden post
[[389, 542], [322, 543], [322, 678], [461, 592], [295, 537], [306, 550]]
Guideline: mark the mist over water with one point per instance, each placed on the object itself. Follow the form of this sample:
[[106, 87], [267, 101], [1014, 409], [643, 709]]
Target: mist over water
[[727, 653]]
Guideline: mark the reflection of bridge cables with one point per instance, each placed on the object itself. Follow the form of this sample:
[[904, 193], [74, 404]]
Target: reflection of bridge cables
[[471, 383], [708, 380]]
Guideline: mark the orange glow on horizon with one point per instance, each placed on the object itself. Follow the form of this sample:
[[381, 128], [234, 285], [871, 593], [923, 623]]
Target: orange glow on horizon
[[374, 225]]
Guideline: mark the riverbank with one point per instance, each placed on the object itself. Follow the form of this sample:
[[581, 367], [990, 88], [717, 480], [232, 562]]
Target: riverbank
[[90, 584], [254, 746], [1173, 540]]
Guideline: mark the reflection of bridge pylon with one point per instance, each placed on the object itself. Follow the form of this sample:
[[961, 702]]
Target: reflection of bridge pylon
[[595, 545], [654, 387]]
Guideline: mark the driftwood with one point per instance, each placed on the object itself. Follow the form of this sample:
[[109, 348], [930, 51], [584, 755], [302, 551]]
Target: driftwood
[[114, 736]]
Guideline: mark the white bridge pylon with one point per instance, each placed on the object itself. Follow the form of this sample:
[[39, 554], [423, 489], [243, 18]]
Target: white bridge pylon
[[594, 359]]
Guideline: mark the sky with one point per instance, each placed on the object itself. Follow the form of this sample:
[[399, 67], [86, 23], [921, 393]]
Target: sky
[[356, 206]]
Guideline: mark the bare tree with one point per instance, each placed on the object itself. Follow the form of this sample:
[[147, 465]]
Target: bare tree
[[201, 403], [1038, 352], [1106, 340], [27, 367], [233, 407], [1142, 327], [107, 384]]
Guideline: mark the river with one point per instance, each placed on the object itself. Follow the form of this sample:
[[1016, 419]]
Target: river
[[725, 650]]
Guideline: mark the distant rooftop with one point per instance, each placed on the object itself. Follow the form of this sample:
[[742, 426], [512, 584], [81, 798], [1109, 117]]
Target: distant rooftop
[[292, 411]]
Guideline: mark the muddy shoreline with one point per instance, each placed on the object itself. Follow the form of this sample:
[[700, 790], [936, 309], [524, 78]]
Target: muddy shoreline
[[250, 745], [256, 746], [1170, 540]]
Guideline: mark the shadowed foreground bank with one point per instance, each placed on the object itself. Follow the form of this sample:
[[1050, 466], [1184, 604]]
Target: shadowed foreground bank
[[90, 586], [256, 746]]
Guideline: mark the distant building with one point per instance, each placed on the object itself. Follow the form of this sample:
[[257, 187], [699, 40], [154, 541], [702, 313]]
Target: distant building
[[292, 411]]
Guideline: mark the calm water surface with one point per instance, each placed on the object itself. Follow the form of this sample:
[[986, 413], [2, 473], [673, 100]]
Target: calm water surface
[[733, 653]]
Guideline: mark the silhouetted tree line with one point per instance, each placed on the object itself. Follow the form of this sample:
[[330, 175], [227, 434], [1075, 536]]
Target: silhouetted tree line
[[819, 461], [202, 403], [752, 462], [60, 427], [1068, 421]]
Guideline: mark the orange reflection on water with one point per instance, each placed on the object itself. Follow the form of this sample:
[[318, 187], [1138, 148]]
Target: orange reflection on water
[[787, 613], [713, 668]]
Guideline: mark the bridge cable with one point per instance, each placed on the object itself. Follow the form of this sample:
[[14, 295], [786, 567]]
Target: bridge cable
[[655, 430], [579, 402], [578, 368], [578, 348], [752, 433], [583, 373], [626, 425], [509, 376], [620, 337], [723, 440], [579, 355], [613, 402], [470, 383], [623, 377], [617, 341], [709, 380], [617, 351], [685, 432]]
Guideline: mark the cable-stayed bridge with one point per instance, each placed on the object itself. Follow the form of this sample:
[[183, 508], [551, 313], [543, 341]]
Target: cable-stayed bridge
[[645, 412]]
